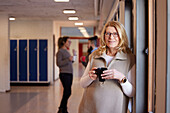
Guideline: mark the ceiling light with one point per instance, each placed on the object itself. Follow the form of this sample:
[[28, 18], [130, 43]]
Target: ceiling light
[[81, 28], [83, 31], [85, 34], [61, 0], [73, 18], [11, 18], [69, 11], [78, 24]]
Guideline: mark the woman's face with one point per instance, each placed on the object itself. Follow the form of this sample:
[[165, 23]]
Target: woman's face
[[68, 43], [111, 37]]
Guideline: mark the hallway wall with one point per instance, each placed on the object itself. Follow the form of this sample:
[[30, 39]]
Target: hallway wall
[[28, 29], [75, 45], [4, 58]]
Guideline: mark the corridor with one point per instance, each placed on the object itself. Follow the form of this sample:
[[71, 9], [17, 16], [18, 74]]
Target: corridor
[[40, 99]]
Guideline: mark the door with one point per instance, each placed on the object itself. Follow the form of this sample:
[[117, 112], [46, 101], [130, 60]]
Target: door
[[22, 60], [32, 60], [13, 60], [43, 60]]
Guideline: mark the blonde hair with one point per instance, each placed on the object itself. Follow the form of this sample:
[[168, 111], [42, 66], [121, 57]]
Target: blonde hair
[[123, 42]]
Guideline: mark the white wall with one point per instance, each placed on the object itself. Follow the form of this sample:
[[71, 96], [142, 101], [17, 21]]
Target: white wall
[[31, 29], [5, 56], [75, 45], [28, 29]]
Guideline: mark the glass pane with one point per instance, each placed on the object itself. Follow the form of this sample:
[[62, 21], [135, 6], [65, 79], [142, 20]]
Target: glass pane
[[168, 61], [75, 31]]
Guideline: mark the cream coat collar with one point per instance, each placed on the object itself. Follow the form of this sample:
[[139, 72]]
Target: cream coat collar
[[119, 56]]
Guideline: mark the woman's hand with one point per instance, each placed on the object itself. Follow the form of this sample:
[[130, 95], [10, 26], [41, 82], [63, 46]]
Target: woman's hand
[[74, 52], [112, 74], [71, 58], [92, 74]]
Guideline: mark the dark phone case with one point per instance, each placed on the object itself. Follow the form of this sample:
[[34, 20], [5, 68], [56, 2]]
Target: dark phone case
[[99, 71]]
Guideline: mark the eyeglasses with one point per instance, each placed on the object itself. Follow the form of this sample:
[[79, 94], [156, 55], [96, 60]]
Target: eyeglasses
[[107, 34]]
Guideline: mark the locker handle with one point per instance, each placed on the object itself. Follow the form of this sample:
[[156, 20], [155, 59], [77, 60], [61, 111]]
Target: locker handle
[[25, 49], [35, 49], [45, 49], [15, 49]]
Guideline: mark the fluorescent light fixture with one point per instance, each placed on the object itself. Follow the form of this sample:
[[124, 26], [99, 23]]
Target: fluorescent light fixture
[[73, 18], [69, 11], [81, 28], [11, 18], [85, 34], [61, 0], [83, 31], [78, 24]]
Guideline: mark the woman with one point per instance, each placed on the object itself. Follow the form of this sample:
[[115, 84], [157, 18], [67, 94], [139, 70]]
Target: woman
[[64, 62], [112, 95]]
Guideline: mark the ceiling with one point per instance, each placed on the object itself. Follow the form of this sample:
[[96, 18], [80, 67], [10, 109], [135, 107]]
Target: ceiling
[[48, 9], [87, 10]]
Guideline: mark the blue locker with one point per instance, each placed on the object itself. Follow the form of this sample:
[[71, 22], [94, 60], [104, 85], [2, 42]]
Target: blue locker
[[43, 60], [32, 60], [13, 60], [22, 60]]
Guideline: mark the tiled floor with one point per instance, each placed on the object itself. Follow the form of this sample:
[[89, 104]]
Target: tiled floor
[[40, 99]]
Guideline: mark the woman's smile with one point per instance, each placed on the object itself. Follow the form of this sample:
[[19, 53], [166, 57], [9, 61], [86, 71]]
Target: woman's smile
[[112, 41]]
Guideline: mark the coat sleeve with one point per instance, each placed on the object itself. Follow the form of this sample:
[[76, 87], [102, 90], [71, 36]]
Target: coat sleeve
[[60, 61]]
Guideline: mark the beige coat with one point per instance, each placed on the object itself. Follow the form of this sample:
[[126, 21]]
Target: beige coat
[[107, 97]]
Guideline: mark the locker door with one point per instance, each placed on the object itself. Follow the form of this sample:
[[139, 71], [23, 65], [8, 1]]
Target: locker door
[[13, 60], [23, 60], [43, 60], [32, 60]]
